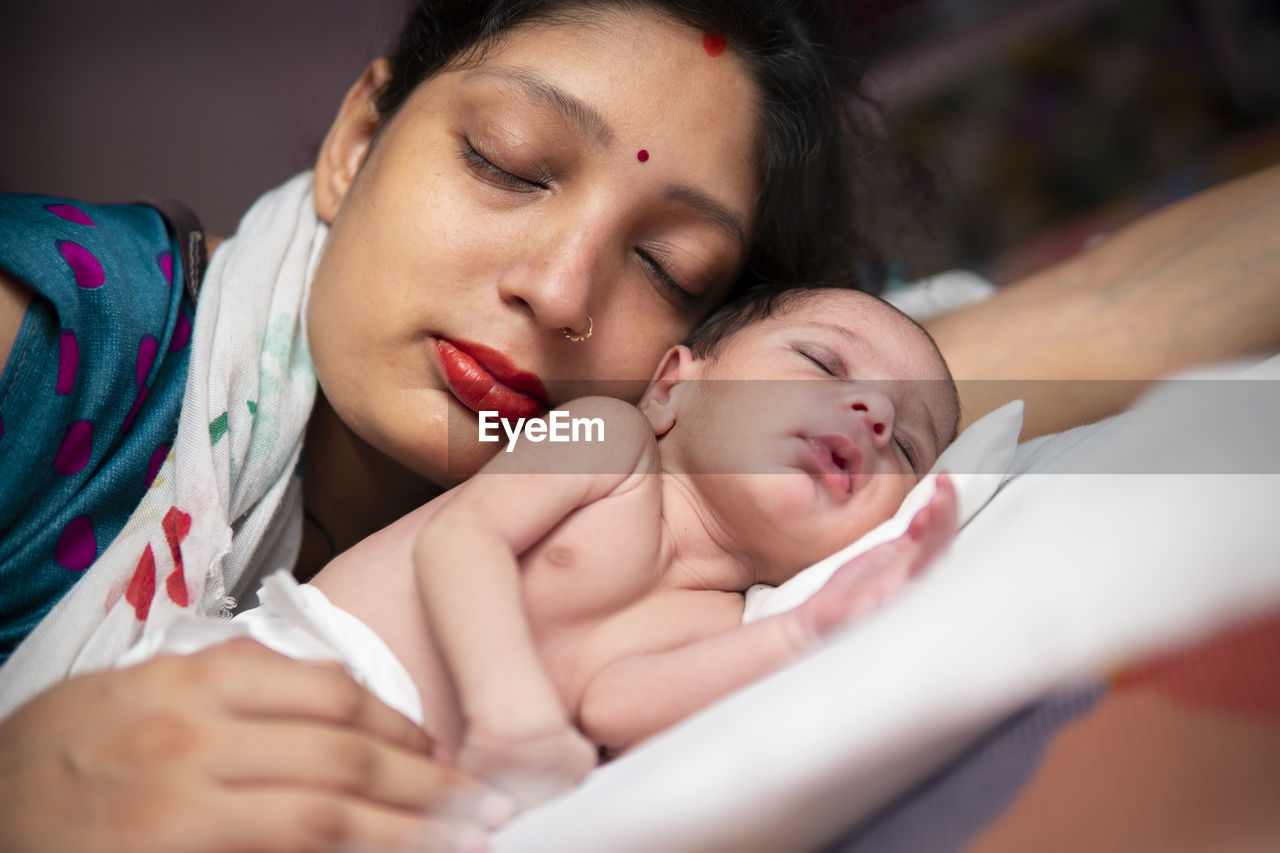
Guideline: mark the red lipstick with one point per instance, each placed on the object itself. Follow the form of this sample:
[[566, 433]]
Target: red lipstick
[[484, 379]]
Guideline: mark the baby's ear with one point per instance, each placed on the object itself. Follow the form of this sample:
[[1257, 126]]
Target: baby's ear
[[661, 399]]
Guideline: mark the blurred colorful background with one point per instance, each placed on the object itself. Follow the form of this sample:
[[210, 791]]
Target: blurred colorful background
[[1047, 123]]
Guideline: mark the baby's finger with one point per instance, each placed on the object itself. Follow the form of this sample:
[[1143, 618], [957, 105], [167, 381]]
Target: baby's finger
[[933, 526], [352, 763], [946, 501], [277, 820]]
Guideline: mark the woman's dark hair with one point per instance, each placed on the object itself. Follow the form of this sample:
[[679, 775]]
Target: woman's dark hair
[[811, 103]]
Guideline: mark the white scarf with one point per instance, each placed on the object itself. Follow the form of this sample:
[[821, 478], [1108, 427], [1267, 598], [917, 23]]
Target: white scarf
[[226, 506]]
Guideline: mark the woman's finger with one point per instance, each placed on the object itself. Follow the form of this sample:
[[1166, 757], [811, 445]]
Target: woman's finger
[[134, 760], [272, 819], [350, 762], [254, 681]]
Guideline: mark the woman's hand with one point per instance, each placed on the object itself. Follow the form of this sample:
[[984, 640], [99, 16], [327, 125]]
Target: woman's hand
[[234, 748]]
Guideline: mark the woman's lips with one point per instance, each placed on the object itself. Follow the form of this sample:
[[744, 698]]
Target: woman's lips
[[485, 380]]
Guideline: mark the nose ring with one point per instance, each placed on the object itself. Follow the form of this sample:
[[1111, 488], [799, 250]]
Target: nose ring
[[574, 336]]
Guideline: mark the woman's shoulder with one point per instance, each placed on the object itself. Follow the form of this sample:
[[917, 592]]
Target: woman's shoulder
[[92, 386], [53, 244], [88, 289], [97, 278]]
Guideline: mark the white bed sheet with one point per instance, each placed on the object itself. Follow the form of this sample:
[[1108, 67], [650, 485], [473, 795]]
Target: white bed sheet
[[1115, 540]]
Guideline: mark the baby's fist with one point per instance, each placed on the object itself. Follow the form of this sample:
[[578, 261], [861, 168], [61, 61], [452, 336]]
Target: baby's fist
[[867, 580], [529, 767]]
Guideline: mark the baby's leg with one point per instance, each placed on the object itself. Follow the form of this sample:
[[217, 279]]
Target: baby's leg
[[868, 579]]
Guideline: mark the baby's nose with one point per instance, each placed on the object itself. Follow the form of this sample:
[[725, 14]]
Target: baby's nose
[[877, 413]]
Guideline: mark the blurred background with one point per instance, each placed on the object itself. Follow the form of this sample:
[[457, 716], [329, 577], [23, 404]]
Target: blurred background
[[208, 102], [1047, 123]]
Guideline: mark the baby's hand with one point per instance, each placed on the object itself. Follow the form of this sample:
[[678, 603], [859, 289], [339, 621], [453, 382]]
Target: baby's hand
[[864, 582], [529, 767]]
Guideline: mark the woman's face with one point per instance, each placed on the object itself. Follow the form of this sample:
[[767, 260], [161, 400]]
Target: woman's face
[[605, 169]]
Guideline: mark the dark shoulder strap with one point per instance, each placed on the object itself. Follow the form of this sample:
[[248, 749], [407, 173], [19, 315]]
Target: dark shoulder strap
[[195, 253]]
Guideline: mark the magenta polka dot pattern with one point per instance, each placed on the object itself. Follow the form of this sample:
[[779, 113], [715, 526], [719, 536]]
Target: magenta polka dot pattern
[[71, 214], [85, 267], [133, 412], [147, 349], [68, 362], [165, 260], [76, 546], [112, 308], [181, 333], [157, 459], [77, 445]]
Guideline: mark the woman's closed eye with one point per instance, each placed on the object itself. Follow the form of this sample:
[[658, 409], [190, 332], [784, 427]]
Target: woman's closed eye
[[487, 170], [685, 298]]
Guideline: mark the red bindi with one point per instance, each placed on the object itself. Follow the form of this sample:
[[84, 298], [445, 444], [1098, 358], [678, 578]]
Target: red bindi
[[642, 155], [714, 43]]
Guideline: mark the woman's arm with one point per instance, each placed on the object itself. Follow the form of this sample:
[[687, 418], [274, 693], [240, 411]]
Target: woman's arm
[[1194, 282]]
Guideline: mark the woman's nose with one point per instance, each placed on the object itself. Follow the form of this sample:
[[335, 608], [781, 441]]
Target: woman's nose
[[876, 410], [555, 282]]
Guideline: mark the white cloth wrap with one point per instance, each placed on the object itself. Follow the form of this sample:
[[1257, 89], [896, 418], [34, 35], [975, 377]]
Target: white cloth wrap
[[250, 388], [299, 622]]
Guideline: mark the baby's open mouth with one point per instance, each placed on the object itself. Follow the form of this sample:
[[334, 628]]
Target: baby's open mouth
[[838, 462]]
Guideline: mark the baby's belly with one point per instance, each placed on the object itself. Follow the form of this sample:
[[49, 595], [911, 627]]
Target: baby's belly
[[584, 597]]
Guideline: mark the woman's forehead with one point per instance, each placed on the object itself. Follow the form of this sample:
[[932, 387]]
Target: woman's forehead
[[649, 76]]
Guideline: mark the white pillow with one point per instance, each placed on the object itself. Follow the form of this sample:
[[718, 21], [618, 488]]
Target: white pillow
[[977, 461], [938, 294], [1061, 576]]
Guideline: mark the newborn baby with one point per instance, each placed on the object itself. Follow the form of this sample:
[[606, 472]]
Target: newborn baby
[[575, 598]]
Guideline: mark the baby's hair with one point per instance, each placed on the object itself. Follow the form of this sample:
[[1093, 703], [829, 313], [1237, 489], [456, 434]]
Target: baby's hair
[[752, 307], [710, 338], [755, 305]]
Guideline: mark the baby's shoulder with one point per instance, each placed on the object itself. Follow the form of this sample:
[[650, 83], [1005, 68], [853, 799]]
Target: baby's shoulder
[[618, 430], [611, 410]]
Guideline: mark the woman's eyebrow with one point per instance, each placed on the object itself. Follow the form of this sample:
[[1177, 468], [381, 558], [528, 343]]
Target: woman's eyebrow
[[715, 212], [539, 89], [531, 85]]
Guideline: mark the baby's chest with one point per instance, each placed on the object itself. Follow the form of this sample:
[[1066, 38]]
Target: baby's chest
[[595, 591], [597, 562]]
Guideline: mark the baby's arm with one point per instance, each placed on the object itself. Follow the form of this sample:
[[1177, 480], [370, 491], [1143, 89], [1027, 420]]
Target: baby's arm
[[517, 730], [622, 706]]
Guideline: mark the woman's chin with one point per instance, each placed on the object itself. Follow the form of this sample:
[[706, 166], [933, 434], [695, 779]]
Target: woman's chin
[[464, 456]]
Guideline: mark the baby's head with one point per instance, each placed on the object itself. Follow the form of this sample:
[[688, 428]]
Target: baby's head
[[792, 469]]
